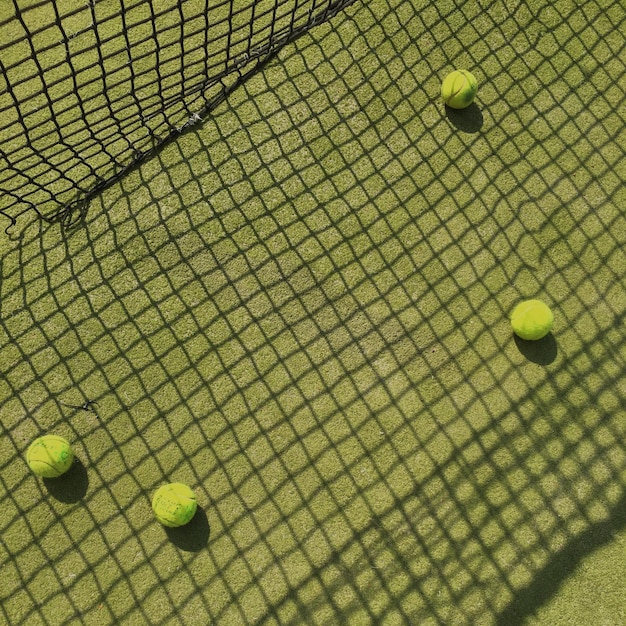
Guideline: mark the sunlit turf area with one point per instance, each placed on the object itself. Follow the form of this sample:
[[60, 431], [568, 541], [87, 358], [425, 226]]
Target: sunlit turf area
[[300, 309]]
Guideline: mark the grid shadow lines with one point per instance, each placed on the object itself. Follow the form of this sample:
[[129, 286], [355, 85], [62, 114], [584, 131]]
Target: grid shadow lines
[[300, 309]]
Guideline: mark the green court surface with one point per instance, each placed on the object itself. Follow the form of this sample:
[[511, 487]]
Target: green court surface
[[300, 309]]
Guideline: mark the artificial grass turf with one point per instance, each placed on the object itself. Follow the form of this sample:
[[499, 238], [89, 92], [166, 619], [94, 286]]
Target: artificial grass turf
[[300, 309]]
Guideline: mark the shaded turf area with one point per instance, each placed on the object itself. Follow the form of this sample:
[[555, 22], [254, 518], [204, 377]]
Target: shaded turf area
[[300, 307]]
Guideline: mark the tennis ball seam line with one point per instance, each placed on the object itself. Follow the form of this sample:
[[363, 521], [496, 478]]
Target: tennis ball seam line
[[460, 89], [457, 92]]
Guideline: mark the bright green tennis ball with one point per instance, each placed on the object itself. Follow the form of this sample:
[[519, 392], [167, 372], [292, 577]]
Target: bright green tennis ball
[[49, 456], [531, 319], [459, 89], [174, 504]]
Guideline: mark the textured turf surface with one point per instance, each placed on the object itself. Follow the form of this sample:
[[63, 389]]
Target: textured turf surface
[[299, 308]]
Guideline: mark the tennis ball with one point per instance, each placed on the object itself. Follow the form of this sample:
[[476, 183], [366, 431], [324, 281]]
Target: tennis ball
[[531, 319], [174, 504], [49, 456], [459, 89]]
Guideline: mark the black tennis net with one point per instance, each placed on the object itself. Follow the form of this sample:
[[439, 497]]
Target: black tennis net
[[88, 90]]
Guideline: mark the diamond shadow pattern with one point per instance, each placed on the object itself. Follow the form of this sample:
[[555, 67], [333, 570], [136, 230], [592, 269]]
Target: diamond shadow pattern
[[299, 308]]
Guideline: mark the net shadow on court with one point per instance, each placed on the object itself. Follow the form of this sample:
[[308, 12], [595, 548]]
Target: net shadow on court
[[300, 309]]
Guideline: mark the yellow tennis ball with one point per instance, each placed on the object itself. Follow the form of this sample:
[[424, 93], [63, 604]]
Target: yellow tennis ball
[[49, 456], [532, 319], [174, 504], [459, 89]]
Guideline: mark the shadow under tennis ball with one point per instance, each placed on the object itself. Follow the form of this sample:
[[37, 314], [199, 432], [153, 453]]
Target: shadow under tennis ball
[[467, 120], [71, 486], [193, 536], [541, 351]]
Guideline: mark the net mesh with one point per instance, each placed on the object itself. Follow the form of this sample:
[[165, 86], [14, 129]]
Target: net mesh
[[89, 89]]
